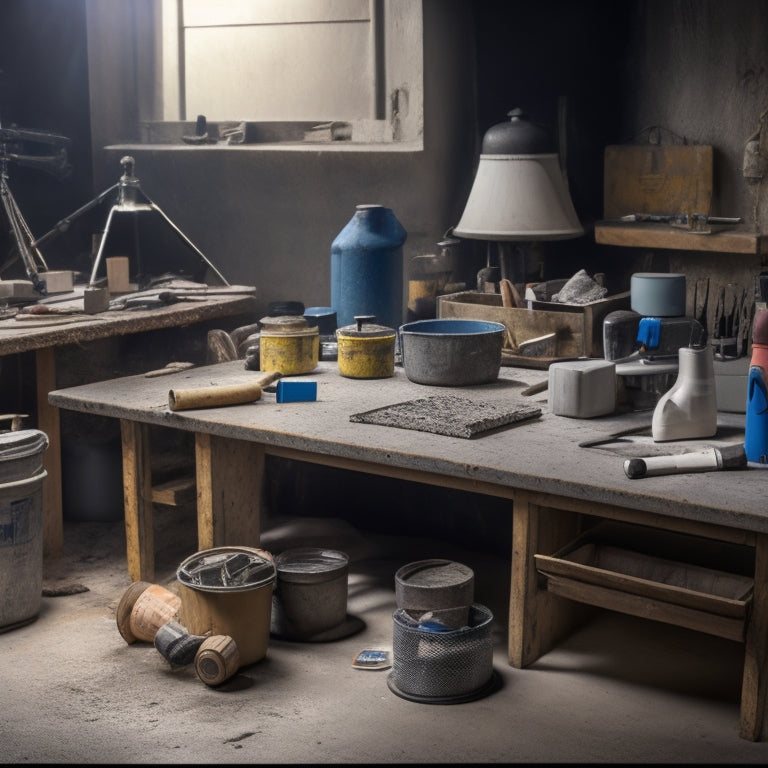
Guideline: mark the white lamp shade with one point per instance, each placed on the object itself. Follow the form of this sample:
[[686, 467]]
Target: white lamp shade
[[519, 197]]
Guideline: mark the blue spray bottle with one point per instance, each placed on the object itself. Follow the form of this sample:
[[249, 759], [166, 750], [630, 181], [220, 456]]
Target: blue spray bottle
[[756, 425]]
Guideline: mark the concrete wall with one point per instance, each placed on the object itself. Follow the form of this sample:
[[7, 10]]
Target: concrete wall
[[267, 215]]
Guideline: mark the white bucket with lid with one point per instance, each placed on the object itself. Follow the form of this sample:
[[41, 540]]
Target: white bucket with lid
[[21, 526]]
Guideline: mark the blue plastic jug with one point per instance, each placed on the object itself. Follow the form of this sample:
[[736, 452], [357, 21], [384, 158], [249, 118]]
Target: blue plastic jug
[[367, 268], [756, 426]]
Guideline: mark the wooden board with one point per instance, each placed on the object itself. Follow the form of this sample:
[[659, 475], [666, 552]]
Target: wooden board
[[661, 180]]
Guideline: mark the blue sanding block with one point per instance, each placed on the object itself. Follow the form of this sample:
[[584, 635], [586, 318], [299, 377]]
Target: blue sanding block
[[296, 391]]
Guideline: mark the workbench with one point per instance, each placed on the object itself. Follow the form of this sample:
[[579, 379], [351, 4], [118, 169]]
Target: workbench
[[557, 488], [45, 334]]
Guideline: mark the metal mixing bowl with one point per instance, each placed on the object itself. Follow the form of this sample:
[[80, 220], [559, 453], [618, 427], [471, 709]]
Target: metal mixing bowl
[[451, 353]]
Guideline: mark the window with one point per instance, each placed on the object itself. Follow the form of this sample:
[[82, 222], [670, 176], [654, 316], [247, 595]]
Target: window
[[353, 65]]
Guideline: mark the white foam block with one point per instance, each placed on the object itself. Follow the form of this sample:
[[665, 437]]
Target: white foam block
[[582, 388]]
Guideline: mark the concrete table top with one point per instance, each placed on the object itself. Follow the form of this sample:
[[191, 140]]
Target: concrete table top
[[543, 454]]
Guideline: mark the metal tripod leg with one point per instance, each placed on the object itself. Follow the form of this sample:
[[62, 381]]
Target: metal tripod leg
[[21, 233], [188, 242]]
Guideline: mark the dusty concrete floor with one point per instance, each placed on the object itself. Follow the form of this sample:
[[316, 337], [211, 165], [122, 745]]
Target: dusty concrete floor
[[619, 690]]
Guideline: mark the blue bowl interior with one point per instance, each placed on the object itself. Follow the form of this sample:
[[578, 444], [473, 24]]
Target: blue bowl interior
[[451, 327]]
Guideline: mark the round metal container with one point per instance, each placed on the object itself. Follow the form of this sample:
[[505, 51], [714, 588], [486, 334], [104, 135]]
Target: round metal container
[[366, 350], [323, 317], [288, 345], [452, 353], [442, 589], [658, 294], [310, 592]]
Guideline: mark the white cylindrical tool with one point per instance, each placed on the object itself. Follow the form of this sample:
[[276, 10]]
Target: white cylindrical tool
[[707, 460]]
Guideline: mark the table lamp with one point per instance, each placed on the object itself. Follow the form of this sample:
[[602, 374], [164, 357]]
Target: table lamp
[[520, 192]]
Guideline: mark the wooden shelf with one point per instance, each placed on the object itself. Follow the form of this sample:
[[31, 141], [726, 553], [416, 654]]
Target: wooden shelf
[[654, 235]]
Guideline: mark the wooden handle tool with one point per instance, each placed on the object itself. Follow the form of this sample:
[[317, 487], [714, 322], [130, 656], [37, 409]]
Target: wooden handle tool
[[510, 296], [223, 394]]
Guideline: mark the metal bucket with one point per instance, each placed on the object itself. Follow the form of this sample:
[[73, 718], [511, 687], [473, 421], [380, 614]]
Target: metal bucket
[[21, 526], [228, 591], [310, 592]]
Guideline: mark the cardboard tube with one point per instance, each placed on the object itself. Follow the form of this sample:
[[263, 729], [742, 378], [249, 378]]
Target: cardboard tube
[[222, 394]]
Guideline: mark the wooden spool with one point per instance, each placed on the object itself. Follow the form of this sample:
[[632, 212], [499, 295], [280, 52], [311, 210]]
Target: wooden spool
[[217, 659], [143, 609]]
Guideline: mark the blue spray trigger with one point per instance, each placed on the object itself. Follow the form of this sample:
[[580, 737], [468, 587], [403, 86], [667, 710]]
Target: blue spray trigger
[[649, 332]]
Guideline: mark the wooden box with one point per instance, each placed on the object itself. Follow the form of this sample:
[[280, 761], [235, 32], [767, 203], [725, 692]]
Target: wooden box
[[637, 575], [579, 327]]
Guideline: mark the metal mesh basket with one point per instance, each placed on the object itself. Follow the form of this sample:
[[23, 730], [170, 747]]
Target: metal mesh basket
[[442, 666]]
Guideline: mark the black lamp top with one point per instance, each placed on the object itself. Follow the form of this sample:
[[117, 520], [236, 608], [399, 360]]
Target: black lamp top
[[517, 136]]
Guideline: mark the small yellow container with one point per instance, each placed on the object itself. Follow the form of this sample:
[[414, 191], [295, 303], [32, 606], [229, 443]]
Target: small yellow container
[[366, 350], [288, 345]]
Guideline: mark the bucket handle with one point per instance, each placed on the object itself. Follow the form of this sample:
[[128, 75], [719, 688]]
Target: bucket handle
[[17, 483]]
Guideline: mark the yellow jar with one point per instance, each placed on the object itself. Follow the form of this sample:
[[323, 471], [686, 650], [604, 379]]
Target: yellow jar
[[288, 345], [366, 350]]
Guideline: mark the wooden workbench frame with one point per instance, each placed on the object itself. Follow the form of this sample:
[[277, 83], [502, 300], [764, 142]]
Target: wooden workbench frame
[[230, 481]]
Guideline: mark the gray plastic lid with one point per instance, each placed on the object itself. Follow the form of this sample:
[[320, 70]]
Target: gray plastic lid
[[22, 443]]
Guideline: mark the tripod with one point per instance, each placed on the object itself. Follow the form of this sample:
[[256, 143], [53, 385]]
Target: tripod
[[130, 199], [56, 164]]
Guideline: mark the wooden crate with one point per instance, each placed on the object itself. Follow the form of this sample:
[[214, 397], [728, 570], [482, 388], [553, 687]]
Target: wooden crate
[[638, 577], [579, 327]]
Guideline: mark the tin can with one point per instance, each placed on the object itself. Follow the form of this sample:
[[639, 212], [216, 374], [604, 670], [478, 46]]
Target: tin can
[[366, 350], [288, 345]]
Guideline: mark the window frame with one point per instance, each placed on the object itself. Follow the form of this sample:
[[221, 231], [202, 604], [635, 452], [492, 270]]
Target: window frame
[[137, 116]]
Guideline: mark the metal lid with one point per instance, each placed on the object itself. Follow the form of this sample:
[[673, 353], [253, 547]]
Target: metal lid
[[518, 136], [287, 325], [365, 327], [434, 584], [227, 569], [309, 565], [283, 323], [22, 443]]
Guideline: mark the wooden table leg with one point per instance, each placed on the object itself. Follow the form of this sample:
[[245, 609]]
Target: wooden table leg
[[48, 422], [537, 619], [137, 498], [754, 684], [230, 481]]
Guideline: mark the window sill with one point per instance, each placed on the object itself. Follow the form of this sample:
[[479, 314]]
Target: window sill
[[281, 146], [292, 136]]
